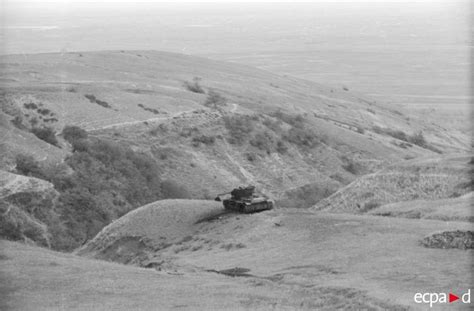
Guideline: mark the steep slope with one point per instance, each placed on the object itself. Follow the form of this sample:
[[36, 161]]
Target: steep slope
[[420, 179], [14, 141], [26, 207]]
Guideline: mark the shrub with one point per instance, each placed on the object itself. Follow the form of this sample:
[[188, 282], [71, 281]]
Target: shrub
[[30, 106], [281, 147], [292, 119], [272, 124], [351, 166], [203, 139], [97, 183], [194, 86], [251, 157], [263, 141], [239, 127], [34, 121], [18, 122], [302, 137], [99, 102], [44, 111], [28, 166], [188, 131], [73, 133], [417, 139], [46, 134], [215, 100]]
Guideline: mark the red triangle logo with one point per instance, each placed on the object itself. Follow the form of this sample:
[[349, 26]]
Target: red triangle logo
[[453, 297]]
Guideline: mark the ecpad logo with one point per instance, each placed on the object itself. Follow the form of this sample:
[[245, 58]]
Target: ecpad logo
[[433, 298]]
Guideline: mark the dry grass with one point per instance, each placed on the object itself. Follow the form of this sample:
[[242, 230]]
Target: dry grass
[[429, 180], [156, 224], [452, 209]]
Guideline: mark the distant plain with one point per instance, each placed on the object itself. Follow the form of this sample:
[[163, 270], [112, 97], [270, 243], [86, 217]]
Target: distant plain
[[415, 55]]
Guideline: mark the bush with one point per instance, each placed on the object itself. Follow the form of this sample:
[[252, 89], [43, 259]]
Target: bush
[[417, 139], [263, 141], [302, 137], [30, 106], [44, 111], [293, 120], [251, 157], [215, 100], [188, 131], [203, 139], [46, 134], [239, 127], [73, 133], [281, 147], [97, 101], [194, 86], [28, 166], [98, 182], [18, 122], [351, 166], [360, 130]]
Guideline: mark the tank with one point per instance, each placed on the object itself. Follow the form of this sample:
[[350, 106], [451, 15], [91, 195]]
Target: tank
[[245, 200]]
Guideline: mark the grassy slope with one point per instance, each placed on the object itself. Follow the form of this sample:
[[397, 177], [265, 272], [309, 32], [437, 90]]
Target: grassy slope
[[125, 80], [378, 255], [154, 79], [14, 141], [38, 279], [458, 209], [424, 179]]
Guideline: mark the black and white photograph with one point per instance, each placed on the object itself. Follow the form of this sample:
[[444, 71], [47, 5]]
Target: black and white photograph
[[226, 155]]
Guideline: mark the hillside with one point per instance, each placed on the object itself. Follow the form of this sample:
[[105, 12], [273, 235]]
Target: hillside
[[286, 258], [116, 156], [207, 126], [124, 95], [428, 180]]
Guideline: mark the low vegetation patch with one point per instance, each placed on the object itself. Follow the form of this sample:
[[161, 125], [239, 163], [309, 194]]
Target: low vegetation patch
[[215, 100], [302, 137], [416, 138], [450, 239], [46, 134], [99, 182], [203, 139], [152, 110], [74, 133], [31, 106], [239, 127], [271, 133], [194, 86], [97, 101]]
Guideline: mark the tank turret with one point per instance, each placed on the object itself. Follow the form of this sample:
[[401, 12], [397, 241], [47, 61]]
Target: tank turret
[[245, 200]]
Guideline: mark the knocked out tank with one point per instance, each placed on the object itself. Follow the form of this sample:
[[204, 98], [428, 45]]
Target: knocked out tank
[[244, 200]]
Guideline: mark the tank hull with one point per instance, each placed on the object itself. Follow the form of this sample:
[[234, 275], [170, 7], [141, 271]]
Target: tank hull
[[247, 207]]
